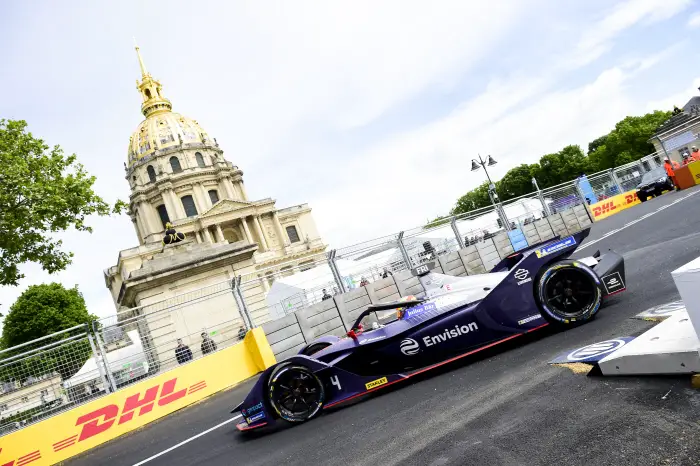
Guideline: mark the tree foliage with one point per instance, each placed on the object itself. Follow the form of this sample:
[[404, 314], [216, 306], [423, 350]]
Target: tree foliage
[[627, 142], [43, 192], [40, 311]]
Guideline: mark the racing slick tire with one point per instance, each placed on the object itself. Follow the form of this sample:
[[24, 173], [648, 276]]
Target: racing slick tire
[[568, 293], [314, 348], [641, 198], [295, 393]]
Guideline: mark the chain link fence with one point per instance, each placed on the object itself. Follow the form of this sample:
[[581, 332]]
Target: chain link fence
[[46, 376]]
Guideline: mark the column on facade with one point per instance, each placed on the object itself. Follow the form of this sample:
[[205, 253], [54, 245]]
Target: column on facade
[[265, 283], [169, 205], [201, 198], [219, 234], [259, 233], [226, 189], [147, 226], [241, 186], [207, 235], [263, 234], [198, 236], [135, 221], [176, 204], [246, 231], [278, 227]]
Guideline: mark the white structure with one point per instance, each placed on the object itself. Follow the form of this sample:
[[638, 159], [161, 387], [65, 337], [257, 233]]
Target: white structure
[[177, 174], [671, 347]]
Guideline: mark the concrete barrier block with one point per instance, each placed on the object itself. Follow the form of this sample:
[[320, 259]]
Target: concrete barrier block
[[282, 355], [276, 325], [291, 342], [330, 327], [313, 320], [283, 334]]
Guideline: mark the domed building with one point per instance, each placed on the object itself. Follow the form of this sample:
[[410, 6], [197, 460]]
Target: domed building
[[178, 175]]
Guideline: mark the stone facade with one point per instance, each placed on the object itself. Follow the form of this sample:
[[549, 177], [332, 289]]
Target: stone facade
[[177, 174]]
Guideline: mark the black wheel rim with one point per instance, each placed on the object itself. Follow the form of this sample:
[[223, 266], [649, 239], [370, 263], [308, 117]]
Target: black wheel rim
[[296, 394], [570, 292]]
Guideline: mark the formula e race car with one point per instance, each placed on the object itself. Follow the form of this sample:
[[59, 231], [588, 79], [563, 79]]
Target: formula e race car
[[455, 317]]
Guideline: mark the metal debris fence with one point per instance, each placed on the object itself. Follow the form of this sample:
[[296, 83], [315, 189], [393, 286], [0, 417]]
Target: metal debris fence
[[57, 372]]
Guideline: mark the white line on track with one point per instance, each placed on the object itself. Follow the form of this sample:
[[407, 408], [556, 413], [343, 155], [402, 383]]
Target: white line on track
[[629, 224], [187, 441]]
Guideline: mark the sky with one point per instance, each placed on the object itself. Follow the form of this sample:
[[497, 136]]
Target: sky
[[369, 111]]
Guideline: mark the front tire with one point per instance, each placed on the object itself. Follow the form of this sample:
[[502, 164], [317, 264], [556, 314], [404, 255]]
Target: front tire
[[295, 393], [568, 293]]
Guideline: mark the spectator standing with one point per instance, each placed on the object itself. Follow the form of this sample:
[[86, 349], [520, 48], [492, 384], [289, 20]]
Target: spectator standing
[[364, 282], [183, 353], [208, 345], [241, 333], [325, 295], [671, 174], [387, 273]]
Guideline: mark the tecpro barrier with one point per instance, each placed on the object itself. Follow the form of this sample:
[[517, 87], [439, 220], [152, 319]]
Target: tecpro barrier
[[94, 423], [613, 205]]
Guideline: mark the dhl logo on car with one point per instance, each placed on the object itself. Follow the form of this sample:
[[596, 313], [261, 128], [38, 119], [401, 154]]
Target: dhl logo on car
[[104, 418]]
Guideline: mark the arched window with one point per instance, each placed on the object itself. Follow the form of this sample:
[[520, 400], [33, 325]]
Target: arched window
[[151, 173], [190, 208], [175, 164], [214, 196], [200, 160], [163, 213]]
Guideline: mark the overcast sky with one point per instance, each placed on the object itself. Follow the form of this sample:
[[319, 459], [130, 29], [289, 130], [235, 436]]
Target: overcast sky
[[370, 111]]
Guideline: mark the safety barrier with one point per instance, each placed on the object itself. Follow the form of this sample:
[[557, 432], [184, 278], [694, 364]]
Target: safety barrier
[[91, 424], [614, 205]]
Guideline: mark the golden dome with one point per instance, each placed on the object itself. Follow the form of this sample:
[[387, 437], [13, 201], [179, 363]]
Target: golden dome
[[162, 131], [162, 127]]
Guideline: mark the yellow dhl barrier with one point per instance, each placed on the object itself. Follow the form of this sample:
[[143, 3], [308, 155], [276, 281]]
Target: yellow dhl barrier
[[613, 205], [101, 420]]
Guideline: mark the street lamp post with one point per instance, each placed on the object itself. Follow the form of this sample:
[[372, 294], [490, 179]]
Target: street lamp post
[[492, 188]]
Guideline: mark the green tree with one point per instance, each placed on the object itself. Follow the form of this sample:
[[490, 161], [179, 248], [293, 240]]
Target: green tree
[[43, 192], [40, 311], [474, 199], [561, 166], [629, 141], [517, 182]]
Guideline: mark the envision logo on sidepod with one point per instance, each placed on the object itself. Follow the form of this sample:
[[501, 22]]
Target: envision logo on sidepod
[[409, 346]]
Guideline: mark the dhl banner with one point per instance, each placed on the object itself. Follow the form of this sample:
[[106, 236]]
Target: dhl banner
[[613, 205], [101, 420]]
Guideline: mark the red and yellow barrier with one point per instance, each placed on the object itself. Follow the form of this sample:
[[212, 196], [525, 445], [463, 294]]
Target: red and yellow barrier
[[101, 420], [613, 205]]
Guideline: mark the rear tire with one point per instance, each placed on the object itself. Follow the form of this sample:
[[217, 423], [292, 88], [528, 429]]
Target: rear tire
[[315, 348], [568, 293], [642, 198], [295, 393]]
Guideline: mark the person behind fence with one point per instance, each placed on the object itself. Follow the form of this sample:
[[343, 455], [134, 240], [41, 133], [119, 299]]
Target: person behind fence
[[241, 333], [695, 155], [387, 273], [325, 295], [183, 353], [364, 281], [208, 345], [671, 174]]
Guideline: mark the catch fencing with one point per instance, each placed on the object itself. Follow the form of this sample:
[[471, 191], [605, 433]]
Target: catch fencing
[[293, 302]]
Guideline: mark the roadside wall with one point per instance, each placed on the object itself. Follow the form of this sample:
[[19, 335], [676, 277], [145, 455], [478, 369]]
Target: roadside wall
[[87, 426], [336, 316]]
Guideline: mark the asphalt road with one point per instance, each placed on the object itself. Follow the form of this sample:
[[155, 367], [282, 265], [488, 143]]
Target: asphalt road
[[506, 407]]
